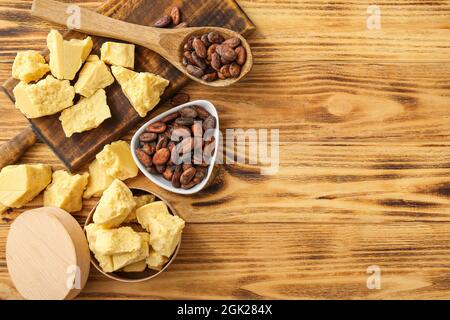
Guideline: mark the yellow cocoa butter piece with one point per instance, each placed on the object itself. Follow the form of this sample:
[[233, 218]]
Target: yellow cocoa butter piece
[[143, 90], [47, 97], [67, 57], [19, 184], [86, 115], [66, 191], [29, 66], [115, 205], [118, 161]]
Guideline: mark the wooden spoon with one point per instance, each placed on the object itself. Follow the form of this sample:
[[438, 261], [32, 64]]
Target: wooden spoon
[[166, 42]]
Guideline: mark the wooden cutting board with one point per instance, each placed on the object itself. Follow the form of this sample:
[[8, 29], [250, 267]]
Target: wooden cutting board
[[81, 148]]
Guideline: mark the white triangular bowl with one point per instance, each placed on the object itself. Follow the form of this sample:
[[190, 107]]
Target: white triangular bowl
[[158, 179]]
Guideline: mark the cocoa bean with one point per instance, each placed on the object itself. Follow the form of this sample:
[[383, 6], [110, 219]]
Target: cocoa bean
[[232, 42], [185, 121], [203, 170], [152, 170], [161, 157], [235, 70], [148, 137], [199, 62], [199, 47], [194, 71], [185, 61], [209, 123], [162, 143], [210, 77], [201, 112], [175, 15], [227, 54], [170, 117], [176, 176], [201, 173], [182, 25], [211, 50], [209, 70], [163, 22], [188, 56], [189, 43], [168, 132], [180, 98], [144, 158], [187, 176], [148, 149], [168, 174], [190, 185], [188, 112], [205, 40], [215, 37], [241, 55], [177, 125], [221, 76], [186, 166], [196, 180], [160, 169], [225, 70], [157, 127], [216, 64]]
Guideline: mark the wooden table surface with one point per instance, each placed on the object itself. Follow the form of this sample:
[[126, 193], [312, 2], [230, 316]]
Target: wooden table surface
[[364, 177]]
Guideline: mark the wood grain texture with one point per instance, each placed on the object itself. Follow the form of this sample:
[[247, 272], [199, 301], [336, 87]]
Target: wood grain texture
[[364, 174], [81, 148]]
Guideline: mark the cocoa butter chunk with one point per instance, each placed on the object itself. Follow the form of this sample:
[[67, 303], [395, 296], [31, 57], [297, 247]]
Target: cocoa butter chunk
[[67, 57], [19, 184], [47, 97], [66, 191], [165, 229], [99, 180], [115, 205], [143, 90], [117, 241], [118, 54], [95, 75], [117, 160], [88, 114], [29, 66]]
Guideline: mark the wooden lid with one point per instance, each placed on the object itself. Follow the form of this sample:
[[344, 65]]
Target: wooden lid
[[47, 255]]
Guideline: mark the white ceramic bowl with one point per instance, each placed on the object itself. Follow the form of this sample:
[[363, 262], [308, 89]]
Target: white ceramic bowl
[[158, 179]]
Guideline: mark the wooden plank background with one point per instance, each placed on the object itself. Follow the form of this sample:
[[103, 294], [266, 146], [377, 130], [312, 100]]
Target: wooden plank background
[[364, 173]]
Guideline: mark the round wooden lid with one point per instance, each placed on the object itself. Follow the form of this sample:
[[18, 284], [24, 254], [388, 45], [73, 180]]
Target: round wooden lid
[[47, 255]]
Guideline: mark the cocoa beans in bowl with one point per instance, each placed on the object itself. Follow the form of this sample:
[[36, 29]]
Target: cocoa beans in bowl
[[178, 149], [212, 57]]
